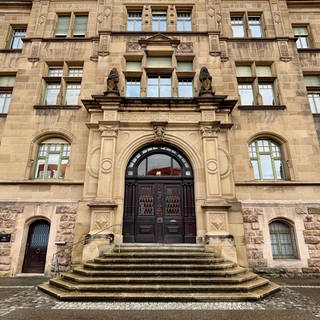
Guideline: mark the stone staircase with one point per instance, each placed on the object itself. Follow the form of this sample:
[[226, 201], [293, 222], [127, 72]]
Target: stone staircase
[[159, 273]]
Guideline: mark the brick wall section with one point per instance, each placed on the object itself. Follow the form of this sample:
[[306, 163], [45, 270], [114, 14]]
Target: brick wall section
[[312, 239], [8, 218], [254, 237]]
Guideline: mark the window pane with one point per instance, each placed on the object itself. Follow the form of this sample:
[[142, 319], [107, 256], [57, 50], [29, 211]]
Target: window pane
[[159, 21], [133, 66], [159, 87], [301, 33], [62, 26], [185, 88], [255, 168], [17, 36], [134, 21], [55, 72], [263, 71], [133, 88], [51, 95], [7, 81], [266, 166], [312, 81], [184, 21], [80, 26], [246, 94], [5, 99], [159, 62], [165, 87], [314, 101], [237, 27], [255, 27], [75, 72], [184, 66], [266, 92], [72, 94], [243, 71]]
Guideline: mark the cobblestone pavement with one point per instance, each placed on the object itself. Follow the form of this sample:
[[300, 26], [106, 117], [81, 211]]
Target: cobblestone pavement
[[28, 297]]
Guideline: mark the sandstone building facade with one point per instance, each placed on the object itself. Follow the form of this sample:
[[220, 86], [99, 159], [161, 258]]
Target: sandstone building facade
[[173, 122]]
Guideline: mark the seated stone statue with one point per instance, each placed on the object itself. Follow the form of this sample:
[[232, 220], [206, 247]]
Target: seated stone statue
[[112, 82], [206, 82]]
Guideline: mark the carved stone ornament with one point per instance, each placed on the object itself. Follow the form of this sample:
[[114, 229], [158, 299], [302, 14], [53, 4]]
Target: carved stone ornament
[[133, 46], [209, 132], [108, 131], [206, 82], [185, 47], [112, 83], [159, 132], [217, 222]]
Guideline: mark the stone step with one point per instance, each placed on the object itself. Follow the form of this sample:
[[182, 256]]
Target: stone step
[[236, 279], [157, 266], [159, 296], [146, 247], [163, 273], [156, 287], [165, 260], [143, 255]]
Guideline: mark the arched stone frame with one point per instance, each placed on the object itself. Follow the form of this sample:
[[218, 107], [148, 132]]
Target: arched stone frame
[[38, 138], [292, 230], [284, 148], [194, 158], [23, 242]]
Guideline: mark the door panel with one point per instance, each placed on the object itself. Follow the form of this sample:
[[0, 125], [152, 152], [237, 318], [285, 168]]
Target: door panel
[[159, 211], [36, 247]]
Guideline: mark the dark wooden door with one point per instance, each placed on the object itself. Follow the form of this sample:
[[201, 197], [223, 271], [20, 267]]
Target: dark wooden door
[[159, 211], [36, 247]]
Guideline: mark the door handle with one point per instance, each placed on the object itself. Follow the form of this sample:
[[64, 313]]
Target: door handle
[[160, 220], [173, 221]]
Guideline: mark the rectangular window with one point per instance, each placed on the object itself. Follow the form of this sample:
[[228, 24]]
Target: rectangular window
[[185, 88], [247, 26], [75, 72], [6, 85], [133, 88], [159, 62], [246, 94], [134, 21], [51, 94], [133, 66], [80, 25], [184, 22], [312, 83], [237, 26], [16, 38], [255, 26], [302, 35], [184, 66], [159, 86], [72, 93], [256, 85], [55, 72], [62, 26], [159, 21]]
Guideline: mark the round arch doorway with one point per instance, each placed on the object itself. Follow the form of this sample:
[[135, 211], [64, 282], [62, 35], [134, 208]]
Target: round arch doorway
[[159, 197]]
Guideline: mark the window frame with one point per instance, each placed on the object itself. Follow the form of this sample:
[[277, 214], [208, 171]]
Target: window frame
[[186, 21], [12, 39], [135, 21], [257, 81], [6, 89], [255, 156], [62, 78], [137, 87], [159, 22], [159, 86], [246, 25], [64, 155], [300, 38], [69, 31], [280, 239], [313, 89]]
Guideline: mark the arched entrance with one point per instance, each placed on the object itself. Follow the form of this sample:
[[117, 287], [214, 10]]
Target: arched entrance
[[36, 247], [159, 197]]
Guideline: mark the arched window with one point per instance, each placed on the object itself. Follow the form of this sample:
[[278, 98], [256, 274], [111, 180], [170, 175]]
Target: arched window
[[282, 240], [52, 159], [266, 160]]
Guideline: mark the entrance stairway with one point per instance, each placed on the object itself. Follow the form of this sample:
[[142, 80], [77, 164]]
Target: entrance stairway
[[159, 273]]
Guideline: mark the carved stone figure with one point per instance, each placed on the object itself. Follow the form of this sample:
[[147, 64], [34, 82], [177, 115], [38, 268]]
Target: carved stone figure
[[112, 82], [206, 82]]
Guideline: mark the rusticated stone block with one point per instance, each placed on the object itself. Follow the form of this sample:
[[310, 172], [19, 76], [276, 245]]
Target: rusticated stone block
[[250, 218], [314, 263], [312, 240], [312, 225], [66, 210]]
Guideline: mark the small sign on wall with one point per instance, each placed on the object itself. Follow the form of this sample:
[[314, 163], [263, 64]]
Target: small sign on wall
[[5, 237]]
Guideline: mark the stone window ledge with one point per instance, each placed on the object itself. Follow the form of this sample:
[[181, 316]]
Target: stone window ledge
[[276, 183], [261, 107], [3, 115], [302, 50], [10, 50], [41, 182], [316, 115], [56, 107]]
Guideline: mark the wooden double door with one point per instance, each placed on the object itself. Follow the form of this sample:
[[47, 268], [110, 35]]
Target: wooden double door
[[159, 211]]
